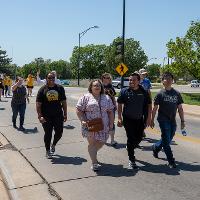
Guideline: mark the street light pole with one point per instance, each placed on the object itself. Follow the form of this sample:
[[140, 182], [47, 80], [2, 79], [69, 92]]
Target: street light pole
[[79, 50]]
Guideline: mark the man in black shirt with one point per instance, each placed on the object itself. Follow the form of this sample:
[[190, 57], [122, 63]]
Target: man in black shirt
[[51, 107], [136, 114], [168, 100]]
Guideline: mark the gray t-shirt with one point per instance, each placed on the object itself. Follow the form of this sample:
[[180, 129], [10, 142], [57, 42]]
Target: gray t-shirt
[[135, 102], [19, 96], [168, 101]]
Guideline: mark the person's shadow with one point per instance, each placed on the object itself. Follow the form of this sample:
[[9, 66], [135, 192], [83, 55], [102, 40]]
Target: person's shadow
[[115, 170], [117, 146], [30, 130], [68, 127], [58, 159]]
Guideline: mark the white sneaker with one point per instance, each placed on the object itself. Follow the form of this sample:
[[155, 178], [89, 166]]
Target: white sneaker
[[132, 165], [95, 167], [48, 155]]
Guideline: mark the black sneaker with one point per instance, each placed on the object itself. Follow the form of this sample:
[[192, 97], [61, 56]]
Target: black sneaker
[[48, 154], [21, 128], [52, 149], [132, 165], [172, 165], [155, 153], [14, 126], [143, 135]]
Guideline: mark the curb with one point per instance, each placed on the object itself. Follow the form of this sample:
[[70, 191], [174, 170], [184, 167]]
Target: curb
[[8, 182]]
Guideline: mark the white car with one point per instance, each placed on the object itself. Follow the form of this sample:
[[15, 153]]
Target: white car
[[195, 83], [117, 82]]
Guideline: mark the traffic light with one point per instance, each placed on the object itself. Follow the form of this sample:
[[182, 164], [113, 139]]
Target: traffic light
[[118, 46]]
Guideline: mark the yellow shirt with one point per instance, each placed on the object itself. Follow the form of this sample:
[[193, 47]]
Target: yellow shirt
[[5, 81], [9, 82], [30, 81]]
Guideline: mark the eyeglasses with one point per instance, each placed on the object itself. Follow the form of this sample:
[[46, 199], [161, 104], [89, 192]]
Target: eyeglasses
[[51, 78], [106, 77], [96, 85]]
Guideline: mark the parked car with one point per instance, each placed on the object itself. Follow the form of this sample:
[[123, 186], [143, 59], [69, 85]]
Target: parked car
[[195, 83], [64, 82], [117, 82]]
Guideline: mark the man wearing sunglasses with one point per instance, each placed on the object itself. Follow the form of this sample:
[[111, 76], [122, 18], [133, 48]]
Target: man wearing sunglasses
[[51, 107]]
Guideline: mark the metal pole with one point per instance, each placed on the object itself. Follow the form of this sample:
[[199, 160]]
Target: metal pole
[[79, 54], [123, 39]]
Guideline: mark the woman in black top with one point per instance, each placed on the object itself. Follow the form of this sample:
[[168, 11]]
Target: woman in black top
[[18, 102], [106, 79], [1, 87]]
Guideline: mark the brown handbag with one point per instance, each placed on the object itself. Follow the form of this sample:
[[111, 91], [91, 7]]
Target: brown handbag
[[95, 125]]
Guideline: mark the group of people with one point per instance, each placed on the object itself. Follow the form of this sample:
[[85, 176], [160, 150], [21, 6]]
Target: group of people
[[5, 86], [96, 111]]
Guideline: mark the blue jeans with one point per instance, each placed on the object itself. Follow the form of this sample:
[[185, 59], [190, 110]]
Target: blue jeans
[[18, 108], [168, 130]]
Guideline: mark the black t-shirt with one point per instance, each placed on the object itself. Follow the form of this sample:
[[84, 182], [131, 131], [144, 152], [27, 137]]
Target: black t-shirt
[[19, 96], [51, 98], [168, 101], [135, 102], [110, 91]]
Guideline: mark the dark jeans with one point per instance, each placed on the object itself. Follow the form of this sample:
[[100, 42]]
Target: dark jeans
[[55, 123], [6, 90], [134, 131], [18, 108], [168, 130]]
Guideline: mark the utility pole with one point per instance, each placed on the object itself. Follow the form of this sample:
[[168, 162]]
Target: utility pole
[[123, 39]]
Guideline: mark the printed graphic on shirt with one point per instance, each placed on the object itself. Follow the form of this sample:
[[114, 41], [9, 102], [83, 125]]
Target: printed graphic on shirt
[[171, 99], [52, 95]]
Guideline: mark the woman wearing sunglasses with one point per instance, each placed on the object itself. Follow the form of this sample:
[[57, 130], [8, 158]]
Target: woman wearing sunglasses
[[106, 79]]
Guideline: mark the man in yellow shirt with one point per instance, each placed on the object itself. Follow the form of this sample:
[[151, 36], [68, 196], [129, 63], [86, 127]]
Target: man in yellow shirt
[[30, 84]]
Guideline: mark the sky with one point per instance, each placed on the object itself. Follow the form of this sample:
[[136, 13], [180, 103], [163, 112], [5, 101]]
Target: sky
[[49, 28]]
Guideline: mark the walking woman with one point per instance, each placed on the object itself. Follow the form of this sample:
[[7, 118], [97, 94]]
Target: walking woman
[[51, 108], [30, 83], [1, 87], [106, 79], [92, 106], [18, 103]]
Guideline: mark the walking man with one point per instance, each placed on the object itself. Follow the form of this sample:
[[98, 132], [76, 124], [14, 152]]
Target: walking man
[[51, 107], [135, 103], [168, 100]]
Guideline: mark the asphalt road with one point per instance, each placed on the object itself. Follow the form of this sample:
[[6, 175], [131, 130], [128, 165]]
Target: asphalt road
[[68, 174], [192, 122]]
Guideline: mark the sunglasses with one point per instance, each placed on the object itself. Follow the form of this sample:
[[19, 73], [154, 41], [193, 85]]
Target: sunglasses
[[51, 78], [106, 77]]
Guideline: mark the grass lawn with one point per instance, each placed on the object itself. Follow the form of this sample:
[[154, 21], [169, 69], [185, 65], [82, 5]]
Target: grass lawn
[[188, 98]]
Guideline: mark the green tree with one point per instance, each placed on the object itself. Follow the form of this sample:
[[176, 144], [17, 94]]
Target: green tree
[[185, 52], [92, 63], [153, 72], [62, 68], [5, 66]]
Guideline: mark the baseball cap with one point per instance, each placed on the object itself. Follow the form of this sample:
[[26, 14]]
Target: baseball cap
[[142, 71]]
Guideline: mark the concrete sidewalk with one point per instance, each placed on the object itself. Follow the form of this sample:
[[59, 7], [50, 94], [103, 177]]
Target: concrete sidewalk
[[3, 190]]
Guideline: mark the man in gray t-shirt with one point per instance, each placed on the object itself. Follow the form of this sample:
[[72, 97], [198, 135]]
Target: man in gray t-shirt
[[168, 100]]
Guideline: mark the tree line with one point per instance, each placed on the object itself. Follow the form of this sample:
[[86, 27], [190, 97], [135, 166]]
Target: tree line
[[95, 59]]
